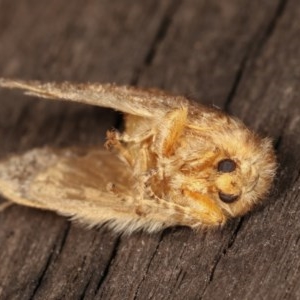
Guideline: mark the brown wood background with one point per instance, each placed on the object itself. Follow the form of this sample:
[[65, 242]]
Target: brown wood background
[[241, 55]]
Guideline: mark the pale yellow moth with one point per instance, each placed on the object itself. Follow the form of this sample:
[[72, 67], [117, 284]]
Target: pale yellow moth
[[177, 163]]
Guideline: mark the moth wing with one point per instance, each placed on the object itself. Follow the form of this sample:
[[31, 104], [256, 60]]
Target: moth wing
[[90, 185], [140, 102]]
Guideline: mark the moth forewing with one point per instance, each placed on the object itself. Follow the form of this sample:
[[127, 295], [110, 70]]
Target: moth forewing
[[138, 102], [177, 163]]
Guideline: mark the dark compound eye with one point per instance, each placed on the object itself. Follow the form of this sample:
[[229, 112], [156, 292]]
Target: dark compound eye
[[226, 165], [227, 198]]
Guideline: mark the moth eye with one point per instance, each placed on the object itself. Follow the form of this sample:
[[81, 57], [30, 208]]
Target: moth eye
[[227, 198], [226, 165]]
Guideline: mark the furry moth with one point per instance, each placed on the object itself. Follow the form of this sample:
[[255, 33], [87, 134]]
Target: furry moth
[[177, 163]]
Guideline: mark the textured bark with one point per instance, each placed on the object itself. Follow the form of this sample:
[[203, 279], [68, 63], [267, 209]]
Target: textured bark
[[241, 55]]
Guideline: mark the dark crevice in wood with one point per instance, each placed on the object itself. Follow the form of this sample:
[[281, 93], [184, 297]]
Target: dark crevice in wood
[[179, 278], [297, 240], [162, 31], [297, 179], [222, 254], [256, 52], [109, 264], [233, 237], [64, 237], [271, 28], [51, 258], [80, 268], [87, 284], [181, 275], [237, 81], [278, 142], [82, 295], [42, 275], [158, 39], [149, 264]]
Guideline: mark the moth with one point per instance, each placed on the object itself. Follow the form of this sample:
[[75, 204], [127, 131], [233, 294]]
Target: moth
[[176, 163]]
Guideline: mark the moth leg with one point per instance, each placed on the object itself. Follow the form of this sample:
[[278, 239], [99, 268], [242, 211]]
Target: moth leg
[[170, 213], [169, 130], [115, 138], [144, 185], [134, 153], [113, 142], [138, 138]]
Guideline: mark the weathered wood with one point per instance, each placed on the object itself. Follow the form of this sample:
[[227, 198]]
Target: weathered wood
[[242, 55]]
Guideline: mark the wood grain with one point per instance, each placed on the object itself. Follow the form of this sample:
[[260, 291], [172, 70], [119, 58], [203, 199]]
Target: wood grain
[[241, 55]]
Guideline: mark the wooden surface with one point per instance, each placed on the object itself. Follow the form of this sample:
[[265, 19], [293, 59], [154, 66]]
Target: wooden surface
[[241, 55]]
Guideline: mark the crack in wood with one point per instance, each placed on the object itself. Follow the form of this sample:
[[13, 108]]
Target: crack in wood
[[88, 282], [182, 274], [85, 288], [221, 255], [256, 52], [109, 264], [162, 31], [237, 80], [158, 39], [298, 177], [234, 235], [179, 279], [272, 25], [278, 142], [149, 264], [53, 254]]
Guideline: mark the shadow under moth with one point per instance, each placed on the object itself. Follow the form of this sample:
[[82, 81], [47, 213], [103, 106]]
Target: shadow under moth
[[176, 163]]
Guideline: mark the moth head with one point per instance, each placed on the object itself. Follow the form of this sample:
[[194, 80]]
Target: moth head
[[243, 171], [232, 166]]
